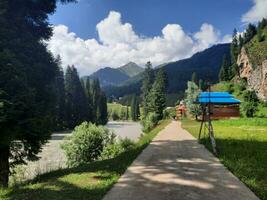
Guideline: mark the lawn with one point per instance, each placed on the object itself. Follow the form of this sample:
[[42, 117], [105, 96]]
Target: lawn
[[90, 181], [242, 148]]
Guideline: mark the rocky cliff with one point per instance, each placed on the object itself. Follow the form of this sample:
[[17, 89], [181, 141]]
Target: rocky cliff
[[256, 76]]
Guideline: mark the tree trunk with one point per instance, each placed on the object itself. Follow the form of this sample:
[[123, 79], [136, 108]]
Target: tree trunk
[[4, 166]]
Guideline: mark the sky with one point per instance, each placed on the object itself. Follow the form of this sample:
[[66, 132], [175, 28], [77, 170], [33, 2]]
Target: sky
[[92, 34]]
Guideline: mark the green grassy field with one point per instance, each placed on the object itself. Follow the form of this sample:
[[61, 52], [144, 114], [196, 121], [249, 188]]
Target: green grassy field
[[90, 181], [242, 148]]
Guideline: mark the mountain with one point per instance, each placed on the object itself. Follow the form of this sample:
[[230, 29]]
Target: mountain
[[206, 64], [131, 69], [115, 76], [109, 76]]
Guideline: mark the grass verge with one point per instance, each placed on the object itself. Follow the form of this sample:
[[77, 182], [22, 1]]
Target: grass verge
[[242, 148], [90, 181]]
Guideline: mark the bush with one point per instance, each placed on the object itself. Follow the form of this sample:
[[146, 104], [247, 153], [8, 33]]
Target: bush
[[114, 149], [149, 122], [86, 143], [250, 105], [169, 113]]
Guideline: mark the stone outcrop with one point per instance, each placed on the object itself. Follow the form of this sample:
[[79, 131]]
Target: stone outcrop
[[256, 76]]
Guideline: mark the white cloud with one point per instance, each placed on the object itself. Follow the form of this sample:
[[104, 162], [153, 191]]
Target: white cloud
[[257, 12], [118, 44]]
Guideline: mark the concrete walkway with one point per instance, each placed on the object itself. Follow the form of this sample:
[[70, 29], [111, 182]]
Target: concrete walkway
[[175, 167]]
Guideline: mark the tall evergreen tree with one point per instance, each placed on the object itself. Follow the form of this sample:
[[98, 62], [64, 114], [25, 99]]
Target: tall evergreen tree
[[86, 84], [27, 73], [158, 94], [194, 77], [76, 103], [135, 109], [225, 74], [60, 97], [146, 87], [251, 31], [234, 47], [102, 112], [95, 92]]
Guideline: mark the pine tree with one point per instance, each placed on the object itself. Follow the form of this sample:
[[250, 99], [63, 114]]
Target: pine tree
[[102, 113], [234, 47], [225, 74], [251, 31], [27, 77], [158, 94], [146, 87], [86, 84], [135, 113], [60, 97], [194, 77], [95, 92], [192, 93], [76, 103], [201, 84]]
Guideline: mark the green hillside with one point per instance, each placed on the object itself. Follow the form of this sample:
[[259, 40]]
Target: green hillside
[[257, 50]]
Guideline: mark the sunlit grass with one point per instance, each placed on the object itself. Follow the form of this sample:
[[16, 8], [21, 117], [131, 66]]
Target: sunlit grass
[[242, 148], [90, 181]]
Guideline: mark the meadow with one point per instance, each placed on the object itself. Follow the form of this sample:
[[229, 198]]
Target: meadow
[[242, 148]]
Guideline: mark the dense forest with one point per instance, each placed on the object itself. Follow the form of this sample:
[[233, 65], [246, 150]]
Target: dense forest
[[35, 95]]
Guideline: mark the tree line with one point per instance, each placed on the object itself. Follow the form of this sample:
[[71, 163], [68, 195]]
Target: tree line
[[78, 100], [35, 95], [229, 67]]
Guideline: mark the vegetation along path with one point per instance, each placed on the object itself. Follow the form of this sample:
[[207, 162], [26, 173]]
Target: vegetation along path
[[175, 166], [52, 156]]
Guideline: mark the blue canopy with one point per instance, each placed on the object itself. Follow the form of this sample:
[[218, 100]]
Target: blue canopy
[[224, 98]]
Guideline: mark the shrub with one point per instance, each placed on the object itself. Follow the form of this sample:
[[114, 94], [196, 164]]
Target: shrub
[[169, 113], [149, 122], [250, 105], [86, 143], [114, 149]]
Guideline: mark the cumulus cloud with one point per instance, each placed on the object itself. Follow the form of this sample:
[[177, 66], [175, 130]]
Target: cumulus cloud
[[257, 12], [118, 44]]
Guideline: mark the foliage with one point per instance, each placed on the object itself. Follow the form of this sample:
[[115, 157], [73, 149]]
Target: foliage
[[114, 149], [169, 113], [146, 87], [241, 145], [157, 95], [76, 103], [86, 143], [99, 103], [117, 111], [90, 181], [27, 77], [192, 93], [194, 77], [135, 110], [250, 104], [149, 122], [225, 73]]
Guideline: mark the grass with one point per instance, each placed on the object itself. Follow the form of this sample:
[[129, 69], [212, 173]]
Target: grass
[[90, 181], [242, 148]]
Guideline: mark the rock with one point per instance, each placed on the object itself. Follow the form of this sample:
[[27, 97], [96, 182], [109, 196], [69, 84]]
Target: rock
[[256, 76]]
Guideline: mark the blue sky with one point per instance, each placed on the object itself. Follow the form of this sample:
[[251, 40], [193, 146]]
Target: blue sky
[[148, 17], [93, 34]]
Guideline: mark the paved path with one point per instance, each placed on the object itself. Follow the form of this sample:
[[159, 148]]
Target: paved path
[[175, 167], [131, 130]]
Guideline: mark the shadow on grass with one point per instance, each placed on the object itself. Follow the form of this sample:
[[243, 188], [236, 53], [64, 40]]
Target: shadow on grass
[[246, 159], [53, 185]]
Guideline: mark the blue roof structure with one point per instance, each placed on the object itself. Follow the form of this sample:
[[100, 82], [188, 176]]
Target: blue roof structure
[[222, 98]]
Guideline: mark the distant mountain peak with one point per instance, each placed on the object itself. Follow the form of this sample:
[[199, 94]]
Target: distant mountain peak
[[131, 69]]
